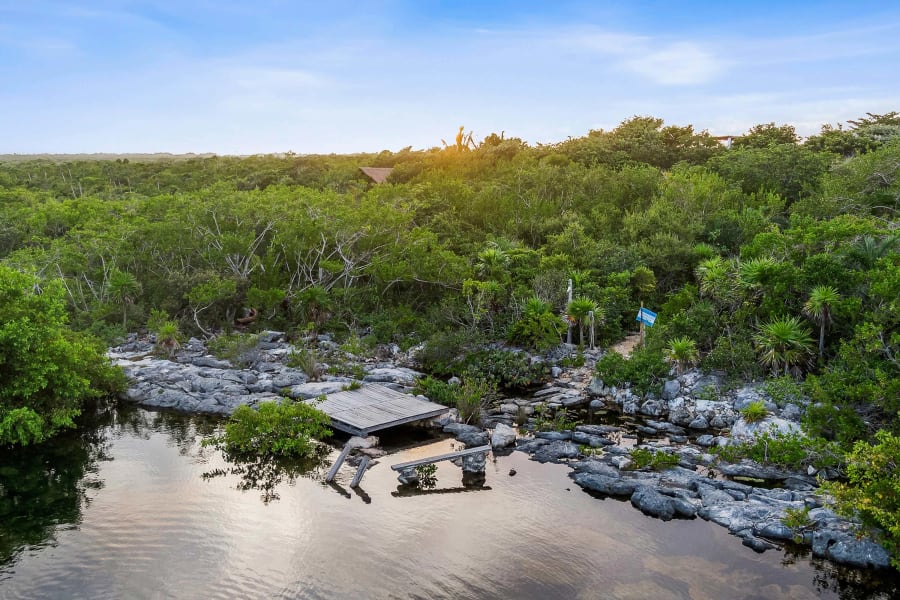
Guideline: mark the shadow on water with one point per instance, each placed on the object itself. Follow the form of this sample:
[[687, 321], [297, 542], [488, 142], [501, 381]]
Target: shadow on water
[[846, 583], [266, 473], [45, 486]]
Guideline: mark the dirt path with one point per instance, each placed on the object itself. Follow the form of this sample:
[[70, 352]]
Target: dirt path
[[627, 345]]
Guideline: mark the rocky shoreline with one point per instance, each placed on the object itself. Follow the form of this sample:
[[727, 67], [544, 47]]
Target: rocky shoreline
[[691, 415]]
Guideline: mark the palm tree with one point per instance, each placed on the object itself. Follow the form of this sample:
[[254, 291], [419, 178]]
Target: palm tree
[[784, 342], [578, 311], [535, 307], [493, 262], [683, 351], [819, 306], [869, 249], [123, 288], [756, 273], [712, 275]]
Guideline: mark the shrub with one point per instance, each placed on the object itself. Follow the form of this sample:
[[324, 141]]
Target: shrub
[[46, 370], [508, 370], [645, 369], [754, 412], [783, 390], [437, 390], [277, 428], [683, 351], [444, 351], [427, 475], [307, 361], [539, 327], [237, 348], [471, 397], [358, 346], [872, 490], [796, 519], [559, 422], [788, 450], [658, 461], [734, 355]]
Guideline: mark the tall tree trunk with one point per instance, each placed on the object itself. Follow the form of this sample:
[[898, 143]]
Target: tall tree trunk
[[821, 338]]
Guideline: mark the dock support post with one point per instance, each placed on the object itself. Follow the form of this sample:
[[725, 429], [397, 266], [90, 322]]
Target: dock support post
[[337, 464], [363, 465]]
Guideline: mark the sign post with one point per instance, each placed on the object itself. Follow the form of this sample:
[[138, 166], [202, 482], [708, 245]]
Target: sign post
[[646, 317]]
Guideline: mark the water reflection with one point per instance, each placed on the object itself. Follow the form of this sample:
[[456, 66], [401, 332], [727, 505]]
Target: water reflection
[[267, 474], [45, 486], [137, 496]]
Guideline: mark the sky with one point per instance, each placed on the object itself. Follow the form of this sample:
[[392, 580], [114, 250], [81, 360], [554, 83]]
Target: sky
[[261, 76]]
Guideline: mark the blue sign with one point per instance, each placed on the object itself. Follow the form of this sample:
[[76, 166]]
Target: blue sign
[[646, 316]]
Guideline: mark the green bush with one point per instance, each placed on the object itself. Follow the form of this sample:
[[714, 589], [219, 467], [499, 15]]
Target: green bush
[[276, 428], [307, 361], [508, 370], [754, 412], [872, 489], [658, 461], [237, 348], [645, 370], [788, 450], [437, 390], [783, 390], [444, 351], [560, 420], [46, 371], [471, 398], [733, 355], [427, 476], [539, 331]]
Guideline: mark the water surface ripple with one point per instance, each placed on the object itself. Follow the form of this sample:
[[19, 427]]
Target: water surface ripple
[[149, 513]]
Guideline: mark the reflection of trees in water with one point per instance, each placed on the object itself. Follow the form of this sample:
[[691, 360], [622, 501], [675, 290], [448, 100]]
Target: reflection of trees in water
[[45, 486], [844, 582], [266, 473], [183, 430]]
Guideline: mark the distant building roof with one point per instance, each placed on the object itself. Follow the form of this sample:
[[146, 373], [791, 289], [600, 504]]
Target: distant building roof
[[377, 174]]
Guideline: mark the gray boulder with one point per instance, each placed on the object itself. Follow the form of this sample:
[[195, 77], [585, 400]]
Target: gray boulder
[[651, 502], [556, 451], [503, 436], [474, 463], [671, 389], [699, 423], [654, 408], [457, 428], [401, 375], [473, 439], [603, 484], [744, 431]]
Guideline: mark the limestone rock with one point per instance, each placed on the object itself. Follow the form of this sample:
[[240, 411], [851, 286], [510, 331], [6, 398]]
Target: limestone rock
[[503, 436]]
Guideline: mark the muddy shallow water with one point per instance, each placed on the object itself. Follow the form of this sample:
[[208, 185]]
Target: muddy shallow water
[[136, 508]]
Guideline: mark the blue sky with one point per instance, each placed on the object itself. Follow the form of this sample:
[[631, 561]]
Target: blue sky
[[243, 77]]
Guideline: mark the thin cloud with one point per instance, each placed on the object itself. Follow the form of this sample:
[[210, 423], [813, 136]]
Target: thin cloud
[[681, 63]]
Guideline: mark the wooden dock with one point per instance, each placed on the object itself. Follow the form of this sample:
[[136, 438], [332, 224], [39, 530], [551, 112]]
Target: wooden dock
[[373, 407]]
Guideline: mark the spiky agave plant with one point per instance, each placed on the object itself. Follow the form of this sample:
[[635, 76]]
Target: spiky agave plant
[[683, 351], [783, 343]]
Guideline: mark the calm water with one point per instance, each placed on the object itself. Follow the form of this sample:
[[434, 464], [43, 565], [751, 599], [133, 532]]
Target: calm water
[[136, 508]]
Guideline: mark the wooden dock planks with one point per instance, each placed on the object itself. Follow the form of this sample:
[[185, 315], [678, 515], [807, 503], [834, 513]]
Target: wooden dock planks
[[373, 407]]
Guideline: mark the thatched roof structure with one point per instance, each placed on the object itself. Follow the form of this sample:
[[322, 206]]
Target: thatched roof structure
[[377, 174]]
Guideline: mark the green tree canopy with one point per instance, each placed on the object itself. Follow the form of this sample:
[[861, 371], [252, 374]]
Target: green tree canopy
[[46, 371]]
